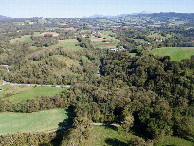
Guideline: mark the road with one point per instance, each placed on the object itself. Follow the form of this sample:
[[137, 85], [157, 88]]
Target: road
[[104, 124], [33, 85]]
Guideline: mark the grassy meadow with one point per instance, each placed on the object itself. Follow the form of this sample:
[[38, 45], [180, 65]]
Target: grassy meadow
[[32, 122], [175, 53], [108, 135], [174, 141], [69, 44], [17, 94], [133, 54], [111, 42], [25, 38], [114, 136]]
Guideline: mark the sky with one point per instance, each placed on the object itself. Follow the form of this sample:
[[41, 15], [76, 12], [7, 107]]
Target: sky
[[80, 8]]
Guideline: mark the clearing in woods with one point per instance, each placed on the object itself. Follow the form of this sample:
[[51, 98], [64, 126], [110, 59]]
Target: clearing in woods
[[115, 136], [53, 33], [32, 122], [175, 53], [17, 94]]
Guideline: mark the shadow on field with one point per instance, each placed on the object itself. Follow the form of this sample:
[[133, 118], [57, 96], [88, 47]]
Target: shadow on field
[[115, 142], [111, 127], [60, 134]]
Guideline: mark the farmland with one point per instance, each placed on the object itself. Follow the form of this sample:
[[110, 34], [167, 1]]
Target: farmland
[[174, 141], [31, 122], [104, 40], [112, 135], [175, 53], [17, 94], [71, 44], [51, 33], [25, 38], [109, 135]]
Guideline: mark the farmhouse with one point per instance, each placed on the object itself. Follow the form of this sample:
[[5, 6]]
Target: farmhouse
[[114, 49]]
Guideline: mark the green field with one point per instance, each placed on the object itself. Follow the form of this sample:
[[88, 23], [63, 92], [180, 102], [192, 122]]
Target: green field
[[133, 54], [19, 23], [109, 135], [174, 141], [157, 35], [25, 38], [114, 136], [107, 33], [140, 41], [175, 53], [32, 122], [106, 46], [21, 93], [69, 44], [36, 33]]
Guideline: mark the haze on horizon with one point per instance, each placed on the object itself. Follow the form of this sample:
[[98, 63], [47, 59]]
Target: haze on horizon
[[79, 9]]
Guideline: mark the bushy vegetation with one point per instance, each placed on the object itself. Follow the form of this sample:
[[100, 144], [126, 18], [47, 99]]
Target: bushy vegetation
[[37, 104], [27, 138]]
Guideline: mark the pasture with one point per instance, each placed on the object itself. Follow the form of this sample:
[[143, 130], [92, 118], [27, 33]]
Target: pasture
[[108, 135], [32, 122], [140, 41], [157, 35], [17, 94], [25, 38], [68, 44], [174, 141], [115, 136], [175, 53], [133, 54], [55, 34], [105, 41]]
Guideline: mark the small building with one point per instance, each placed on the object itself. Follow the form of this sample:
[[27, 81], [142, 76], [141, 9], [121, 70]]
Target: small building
[[114, 49]]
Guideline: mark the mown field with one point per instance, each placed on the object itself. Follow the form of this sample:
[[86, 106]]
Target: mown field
[[105, 41], [17, 94], [69, 44], [157, 35], [108, 135], [114, 136], [174, 141], [25, 38], [175, 53], [32, 122]]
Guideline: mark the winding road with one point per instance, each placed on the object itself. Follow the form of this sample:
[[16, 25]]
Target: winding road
[[33, 85]]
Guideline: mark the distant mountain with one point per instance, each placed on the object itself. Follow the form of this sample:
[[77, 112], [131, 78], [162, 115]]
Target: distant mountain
[[109, 16], [145, 13], [118, 16], [4, 17], [96, 16]]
